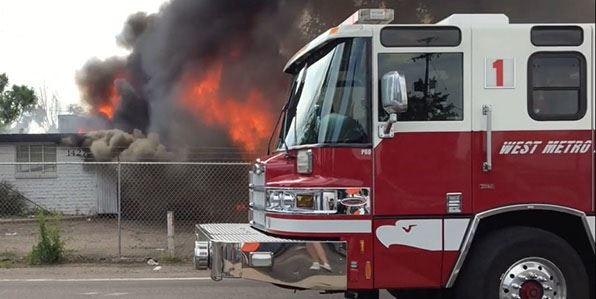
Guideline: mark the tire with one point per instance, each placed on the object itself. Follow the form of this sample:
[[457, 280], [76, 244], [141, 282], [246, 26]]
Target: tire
[[196, 263], [514, 260]]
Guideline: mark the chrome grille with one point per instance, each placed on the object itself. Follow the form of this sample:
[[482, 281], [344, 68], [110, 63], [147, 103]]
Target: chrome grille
[[257, 196]]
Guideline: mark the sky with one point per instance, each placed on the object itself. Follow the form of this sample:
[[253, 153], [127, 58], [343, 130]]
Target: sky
[[43, 43]]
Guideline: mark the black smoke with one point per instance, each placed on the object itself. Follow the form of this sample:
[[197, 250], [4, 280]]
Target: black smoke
[[134, 27], [96, 80]]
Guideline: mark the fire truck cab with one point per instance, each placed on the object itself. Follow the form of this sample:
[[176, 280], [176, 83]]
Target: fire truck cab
[[453, 158]]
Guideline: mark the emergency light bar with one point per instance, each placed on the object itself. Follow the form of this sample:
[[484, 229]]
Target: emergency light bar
[[370, 16]]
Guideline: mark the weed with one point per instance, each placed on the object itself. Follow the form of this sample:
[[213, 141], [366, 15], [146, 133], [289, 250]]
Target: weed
[[50, 248]]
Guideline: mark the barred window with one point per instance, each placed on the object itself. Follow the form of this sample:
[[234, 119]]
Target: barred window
[[32, 153]]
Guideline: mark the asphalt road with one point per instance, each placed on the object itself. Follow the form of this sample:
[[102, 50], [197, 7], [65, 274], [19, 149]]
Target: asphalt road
[[135, 281], [149, 288]]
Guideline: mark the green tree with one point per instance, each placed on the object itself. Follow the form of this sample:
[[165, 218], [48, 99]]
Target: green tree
[[14, 101]]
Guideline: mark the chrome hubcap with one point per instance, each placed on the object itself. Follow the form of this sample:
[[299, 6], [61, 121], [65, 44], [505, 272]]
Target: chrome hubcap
[[533, 278]]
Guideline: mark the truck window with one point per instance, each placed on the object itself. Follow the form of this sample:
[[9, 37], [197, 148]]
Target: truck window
[[557, 36], [333, 104], [556, 86], [434, 82], [444, 36]]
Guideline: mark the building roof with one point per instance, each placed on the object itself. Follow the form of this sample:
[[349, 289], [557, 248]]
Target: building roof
[[53, 138]]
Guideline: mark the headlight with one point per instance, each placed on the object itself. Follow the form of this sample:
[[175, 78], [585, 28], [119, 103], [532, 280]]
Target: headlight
[[274, 200], [301, 201], [305, 201], [279, 200], [351, 201], [288, 200]]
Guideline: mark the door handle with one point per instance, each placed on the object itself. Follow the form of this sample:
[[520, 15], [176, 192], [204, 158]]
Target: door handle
[[488, 163]]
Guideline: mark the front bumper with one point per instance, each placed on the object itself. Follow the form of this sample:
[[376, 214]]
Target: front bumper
[[234, 250]]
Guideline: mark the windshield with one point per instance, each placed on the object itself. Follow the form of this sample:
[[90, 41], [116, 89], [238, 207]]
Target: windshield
[[330, 100]]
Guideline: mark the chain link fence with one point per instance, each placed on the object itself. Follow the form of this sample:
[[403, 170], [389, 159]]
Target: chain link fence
[[112, 210]]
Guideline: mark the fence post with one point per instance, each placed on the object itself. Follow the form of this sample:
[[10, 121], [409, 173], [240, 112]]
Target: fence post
[[170, 220], [119, 199]]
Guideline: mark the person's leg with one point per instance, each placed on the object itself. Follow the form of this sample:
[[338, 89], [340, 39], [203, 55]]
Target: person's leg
[[314, 256], [322, 255]]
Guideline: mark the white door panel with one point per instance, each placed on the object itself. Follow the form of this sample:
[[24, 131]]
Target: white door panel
[[510, 112]]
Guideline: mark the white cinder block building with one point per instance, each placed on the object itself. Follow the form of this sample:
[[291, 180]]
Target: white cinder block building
[[71, 189]]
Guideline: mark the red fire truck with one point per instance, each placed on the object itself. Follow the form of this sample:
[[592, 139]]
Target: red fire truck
[[453, 158]]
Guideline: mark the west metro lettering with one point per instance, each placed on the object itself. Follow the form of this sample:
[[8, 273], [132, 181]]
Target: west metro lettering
[[528, 147], [567, 147], [519, 147]]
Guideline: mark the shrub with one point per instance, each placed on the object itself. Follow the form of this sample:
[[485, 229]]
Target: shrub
[[11, 202], [50, 248]]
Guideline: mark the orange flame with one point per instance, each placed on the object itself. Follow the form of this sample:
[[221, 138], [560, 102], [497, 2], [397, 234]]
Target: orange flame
[[108, 109], [247, 122]]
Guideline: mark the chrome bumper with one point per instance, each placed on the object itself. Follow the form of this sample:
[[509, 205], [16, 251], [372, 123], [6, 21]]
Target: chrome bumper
[[233, 250]]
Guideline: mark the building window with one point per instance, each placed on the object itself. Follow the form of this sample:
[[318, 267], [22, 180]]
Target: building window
[[434, 85], [557, 86], [32, 153]]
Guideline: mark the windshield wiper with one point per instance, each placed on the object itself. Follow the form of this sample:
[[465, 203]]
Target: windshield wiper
[[296, 91], [281, 115]]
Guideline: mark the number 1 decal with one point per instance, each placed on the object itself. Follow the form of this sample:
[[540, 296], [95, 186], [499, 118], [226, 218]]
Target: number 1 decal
[[498, 66], [499, 73]]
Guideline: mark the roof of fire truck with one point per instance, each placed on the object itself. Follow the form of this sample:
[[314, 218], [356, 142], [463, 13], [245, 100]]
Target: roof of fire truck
[[365, 22]]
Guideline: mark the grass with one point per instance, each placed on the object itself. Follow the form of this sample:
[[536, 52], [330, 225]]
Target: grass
[[9, 260]]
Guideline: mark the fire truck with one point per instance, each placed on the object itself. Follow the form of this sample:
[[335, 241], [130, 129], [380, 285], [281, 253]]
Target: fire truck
[[450, 159]]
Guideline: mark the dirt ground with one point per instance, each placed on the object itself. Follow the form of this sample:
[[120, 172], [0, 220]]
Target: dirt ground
[[96, 239]]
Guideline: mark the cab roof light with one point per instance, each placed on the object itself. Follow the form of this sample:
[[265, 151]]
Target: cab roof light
[[370, 16]]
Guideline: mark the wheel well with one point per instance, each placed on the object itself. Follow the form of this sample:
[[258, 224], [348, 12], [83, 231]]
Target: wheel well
[[567, 226]]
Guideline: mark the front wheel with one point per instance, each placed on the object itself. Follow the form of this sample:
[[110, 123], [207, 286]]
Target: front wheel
[[522, 263]]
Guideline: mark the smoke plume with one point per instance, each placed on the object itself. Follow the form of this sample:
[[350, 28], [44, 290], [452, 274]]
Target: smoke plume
[[110, 145]]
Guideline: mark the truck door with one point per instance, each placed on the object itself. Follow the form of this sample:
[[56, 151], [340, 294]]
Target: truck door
[[532, 121], [428, 158]]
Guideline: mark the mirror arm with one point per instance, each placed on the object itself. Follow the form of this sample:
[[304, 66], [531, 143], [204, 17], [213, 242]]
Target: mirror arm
[[385, 129], [390, 122]]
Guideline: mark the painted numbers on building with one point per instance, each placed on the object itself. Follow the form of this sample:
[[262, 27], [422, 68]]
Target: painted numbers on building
[[529, 147], [499, 73], [76, 152]]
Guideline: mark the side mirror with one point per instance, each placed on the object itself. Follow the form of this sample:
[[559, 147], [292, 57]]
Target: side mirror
[[394, 95]]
